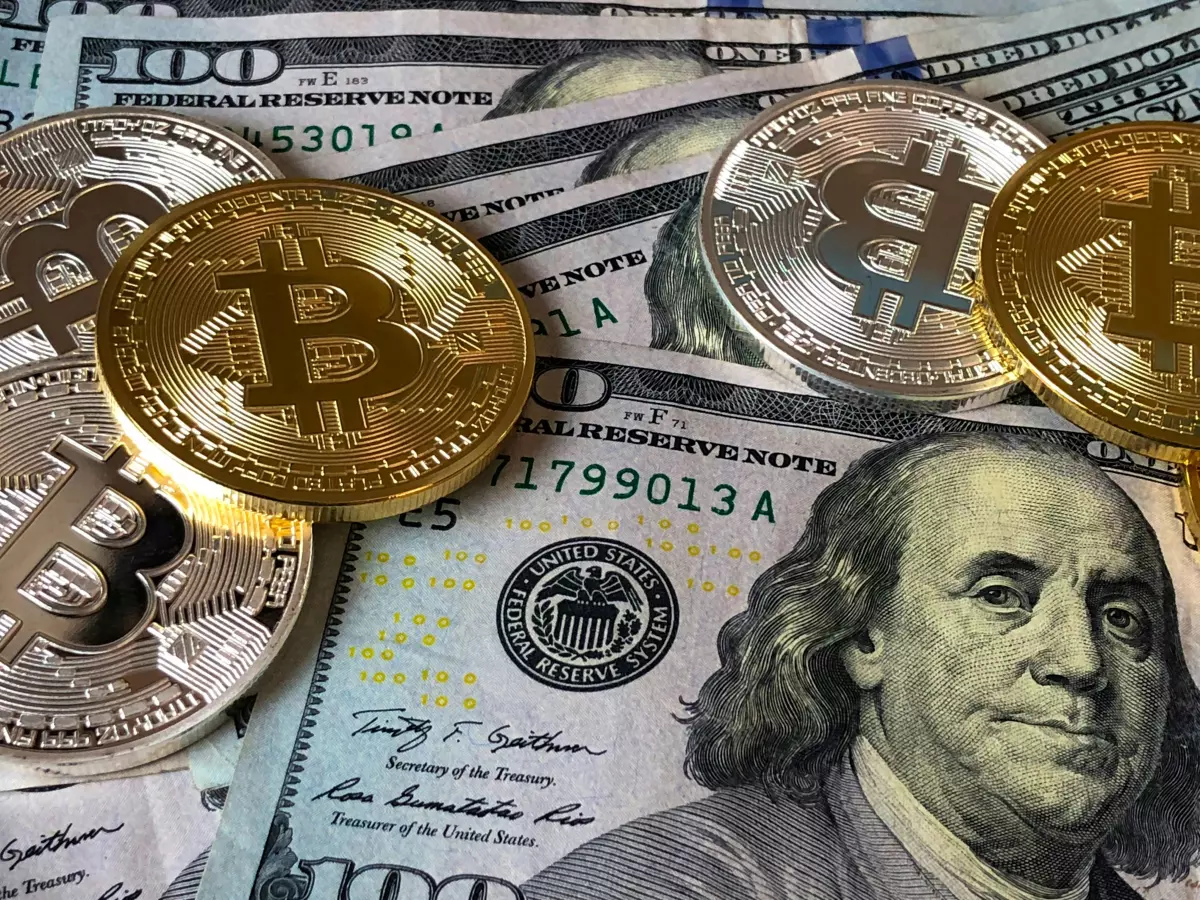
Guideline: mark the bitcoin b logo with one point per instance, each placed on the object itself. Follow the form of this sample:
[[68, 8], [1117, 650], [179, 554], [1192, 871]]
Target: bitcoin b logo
[[324, 336], [76, 570], [861, 247], [80, 238], [1154, 228]]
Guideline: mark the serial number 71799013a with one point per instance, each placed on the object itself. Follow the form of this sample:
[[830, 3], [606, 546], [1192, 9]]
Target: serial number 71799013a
[[627, 483]]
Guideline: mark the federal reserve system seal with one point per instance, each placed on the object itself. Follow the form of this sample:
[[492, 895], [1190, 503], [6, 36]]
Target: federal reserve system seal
[[77, 188], [587, 614], [131, 612], [313, 349], [843, 228], [1091, 271]]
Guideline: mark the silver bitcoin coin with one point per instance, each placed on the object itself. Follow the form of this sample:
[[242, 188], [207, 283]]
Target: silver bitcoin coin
[[75, 189], [131, 613], [843, 227]]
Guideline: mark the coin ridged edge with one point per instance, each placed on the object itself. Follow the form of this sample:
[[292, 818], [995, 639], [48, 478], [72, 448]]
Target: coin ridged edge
[[144, 112], [458, 474], [790, 370], [198, 483], [796, 371], [1046, 389]]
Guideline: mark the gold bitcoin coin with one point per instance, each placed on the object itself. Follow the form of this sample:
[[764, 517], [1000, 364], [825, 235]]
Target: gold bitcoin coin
[[1091, 267], [315, 350]]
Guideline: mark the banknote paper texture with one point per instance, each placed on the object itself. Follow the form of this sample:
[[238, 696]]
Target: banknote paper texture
[[22, 34], [14, 776], [1148, 74], [620, 260], [212, 761], [307, 86], [488, 168], [116, 840], [511, 680]]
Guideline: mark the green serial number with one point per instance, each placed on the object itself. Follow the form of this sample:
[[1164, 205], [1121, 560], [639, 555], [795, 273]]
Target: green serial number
[[658, 489], [315, 138]]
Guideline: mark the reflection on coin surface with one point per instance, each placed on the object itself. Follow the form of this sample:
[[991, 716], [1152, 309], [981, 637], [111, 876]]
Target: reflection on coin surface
[[843, 228], [131, 612], [77, 188], [1091, 267], [313, 349]]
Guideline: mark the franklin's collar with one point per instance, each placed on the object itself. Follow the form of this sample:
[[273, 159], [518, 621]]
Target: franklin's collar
[[941, 855]]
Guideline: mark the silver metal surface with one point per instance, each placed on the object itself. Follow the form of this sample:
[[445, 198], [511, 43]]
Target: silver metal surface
[[843, 227], [76, 189], [131, 614]]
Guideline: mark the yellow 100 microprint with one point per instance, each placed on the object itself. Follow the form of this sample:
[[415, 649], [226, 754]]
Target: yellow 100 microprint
[[394, 659]]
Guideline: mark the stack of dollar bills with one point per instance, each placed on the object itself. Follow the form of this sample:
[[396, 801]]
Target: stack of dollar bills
[[631, 660]]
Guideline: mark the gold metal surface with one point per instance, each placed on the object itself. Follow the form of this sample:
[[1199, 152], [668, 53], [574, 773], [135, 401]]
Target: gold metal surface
[[315, 350], [1189, 492], [1091, 267]]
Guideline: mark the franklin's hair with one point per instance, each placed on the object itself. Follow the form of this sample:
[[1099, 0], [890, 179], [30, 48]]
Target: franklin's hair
[[687, 312], [590, 75], [676, 137], [781, 710]]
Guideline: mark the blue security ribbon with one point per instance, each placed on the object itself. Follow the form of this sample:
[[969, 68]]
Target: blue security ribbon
[[835, 32], [893, 55]]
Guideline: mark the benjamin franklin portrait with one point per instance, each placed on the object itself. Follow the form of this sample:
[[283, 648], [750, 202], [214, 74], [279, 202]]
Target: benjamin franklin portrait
[[964, 681]]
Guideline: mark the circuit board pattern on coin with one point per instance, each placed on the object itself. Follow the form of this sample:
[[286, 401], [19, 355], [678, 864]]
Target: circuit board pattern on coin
[[1091, 265], [77, 189], [844, 230], [315, 350], [131, 613]]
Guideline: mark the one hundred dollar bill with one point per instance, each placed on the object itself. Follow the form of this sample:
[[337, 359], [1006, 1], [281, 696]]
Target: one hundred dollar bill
[[22, 31], [570, 250], [491, 167], [694, 636], [850, 8], [836, 22], [128, 838], [307, 86]]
